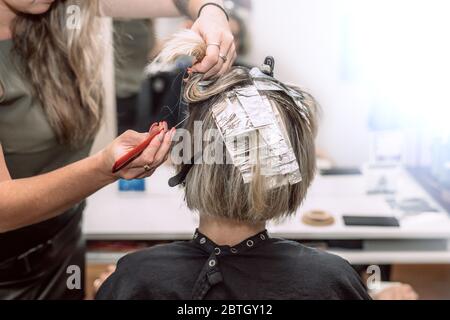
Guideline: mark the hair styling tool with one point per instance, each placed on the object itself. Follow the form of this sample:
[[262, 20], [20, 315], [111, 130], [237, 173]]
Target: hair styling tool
[[126, 159]]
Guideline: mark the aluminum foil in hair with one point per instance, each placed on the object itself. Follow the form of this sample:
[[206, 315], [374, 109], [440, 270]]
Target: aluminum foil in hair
[[253, 133], [266, 83]]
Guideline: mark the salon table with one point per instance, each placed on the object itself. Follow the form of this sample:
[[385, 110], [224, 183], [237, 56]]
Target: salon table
[[159, 214]]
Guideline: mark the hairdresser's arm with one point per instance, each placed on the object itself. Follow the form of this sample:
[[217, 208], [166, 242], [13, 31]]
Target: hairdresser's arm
[[31, 200], [212, 25], [138, 9]]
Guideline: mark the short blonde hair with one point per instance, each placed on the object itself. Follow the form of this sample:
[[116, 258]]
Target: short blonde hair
[[218, 189]]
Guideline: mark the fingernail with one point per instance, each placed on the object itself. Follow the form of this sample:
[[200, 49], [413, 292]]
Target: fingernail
[[152, 126]]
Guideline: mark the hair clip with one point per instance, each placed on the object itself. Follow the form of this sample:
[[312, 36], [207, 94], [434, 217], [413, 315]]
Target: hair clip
[[180, 178], [268, 66]]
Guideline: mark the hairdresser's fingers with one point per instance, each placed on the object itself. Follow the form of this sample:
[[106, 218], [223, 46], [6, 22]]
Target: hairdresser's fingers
[[212, 56], [165, 126], [165, 147], [218, 43], [213, 26], [162, 152], [214, 70], [227, 67], [126, 141], [228, 47], [234, 58], [225, 54], [121, 146], [227, 43], [147, 158], [230, 60]]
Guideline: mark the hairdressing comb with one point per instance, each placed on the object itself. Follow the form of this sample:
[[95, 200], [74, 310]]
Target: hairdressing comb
[[126, 159]]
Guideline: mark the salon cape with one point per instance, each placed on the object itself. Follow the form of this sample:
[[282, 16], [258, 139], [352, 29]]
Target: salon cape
[[259, 268]]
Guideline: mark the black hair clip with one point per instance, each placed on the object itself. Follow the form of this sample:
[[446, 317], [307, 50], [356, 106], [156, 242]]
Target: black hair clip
[[180, 178], [268, 66]]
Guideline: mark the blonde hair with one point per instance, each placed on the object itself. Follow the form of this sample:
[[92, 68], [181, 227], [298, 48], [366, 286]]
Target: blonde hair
[[218, 189], [63, 65]]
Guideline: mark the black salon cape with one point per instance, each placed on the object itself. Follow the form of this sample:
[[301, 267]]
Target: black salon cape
[[259, 268]]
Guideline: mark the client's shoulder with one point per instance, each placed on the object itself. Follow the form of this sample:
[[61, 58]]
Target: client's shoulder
[[301, 250], [151, 273], [160, 259], [311, 257], [322, 270], [160, 252]]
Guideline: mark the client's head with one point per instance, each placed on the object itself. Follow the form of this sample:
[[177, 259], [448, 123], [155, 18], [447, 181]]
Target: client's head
[[264, 176]]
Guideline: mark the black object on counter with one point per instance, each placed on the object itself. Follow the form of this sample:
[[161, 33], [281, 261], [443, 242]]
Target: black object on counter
[[371, 221]]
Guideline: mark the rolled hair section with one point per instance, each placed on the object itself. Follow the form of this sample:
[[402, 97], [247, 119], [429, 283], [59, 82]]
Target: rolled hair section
[[189, 43], [182, 43]]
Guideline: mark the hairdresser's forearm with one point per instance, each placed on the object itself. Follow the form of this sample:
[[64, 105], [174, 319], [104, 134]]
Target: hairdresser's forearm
[[138, 9], [27, 201], [152, 8], [191, 8]]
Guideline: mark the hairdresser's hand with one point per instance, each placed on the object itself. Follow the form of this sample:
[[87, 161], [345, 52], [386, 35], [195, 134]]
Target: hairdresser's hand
[[397, 292], [155, 154], [213, 26], [103, 277]]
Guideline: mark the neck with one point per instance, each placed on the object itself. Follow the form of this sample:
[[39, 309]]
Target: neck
[[225, 232], [7, 16]]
